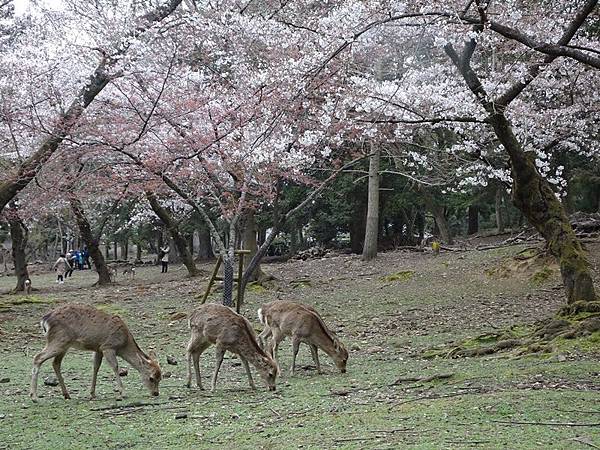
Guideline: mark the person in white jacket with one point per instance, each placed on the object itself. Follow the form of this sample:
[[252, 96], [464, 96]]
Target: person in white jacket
[[164, 259], [61, 266]]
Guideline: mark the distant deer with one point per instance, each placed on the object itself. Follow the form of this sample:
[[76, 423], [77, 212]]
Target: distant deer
[[129, 271], [27, 287], [87, 328], [113, 271], [304, 324], [218, 325]]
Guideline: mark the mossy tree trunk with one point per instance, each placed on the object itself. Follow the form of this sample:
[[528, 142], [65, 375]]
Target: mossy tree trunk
[[173, 229], [534, 197], [531, 192]]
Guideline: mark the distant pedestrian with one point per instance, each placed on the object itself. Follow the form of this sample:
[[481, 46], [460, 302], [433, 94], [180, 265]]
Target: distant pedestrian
[[86, 257], [71, 260], [79, 260], [61, 266], [164, 258]]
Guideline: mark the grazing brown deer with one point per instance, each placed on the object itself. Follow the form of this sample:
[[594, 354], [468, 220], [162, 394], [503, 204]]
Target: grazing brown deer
[[86, 328], [304, 324], [218, 325]]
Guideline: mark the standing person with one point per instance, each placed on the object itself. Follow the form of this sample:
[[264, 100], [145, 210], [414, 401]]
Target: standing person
[[71, 260], [86, 257], [164, 260], [79, 260], [61, 266]]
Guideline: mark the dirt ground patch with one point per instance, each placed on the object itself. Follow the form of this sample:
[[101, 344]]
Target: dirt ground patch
[[500, 401]]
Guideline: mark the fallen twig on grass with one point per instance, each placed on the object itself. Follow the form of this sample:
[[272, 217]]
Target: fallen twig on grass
[[441, 376], [364, 438], [550, 424], [585, 441], [453, 249], [578, 411], [127, 406], [398, 430]]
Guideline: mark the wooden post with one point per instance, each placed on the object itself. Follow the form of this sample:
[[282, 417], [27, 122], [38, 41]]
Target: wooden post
[[212, 279]]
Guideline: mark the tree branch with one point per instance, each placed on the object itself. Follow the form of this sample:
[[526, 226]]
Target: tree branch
[[535, 69]]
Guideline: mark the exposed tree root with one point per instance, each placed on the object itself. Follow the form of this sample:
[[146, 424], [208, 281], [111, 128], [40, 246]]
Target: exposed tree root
[[580, 307], [542, 337]]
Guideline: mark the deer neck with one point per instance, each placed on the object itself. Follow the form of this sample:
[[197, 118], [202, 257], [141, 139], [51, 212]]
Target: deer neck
[[256, 359], [326, 344], [134, 356]]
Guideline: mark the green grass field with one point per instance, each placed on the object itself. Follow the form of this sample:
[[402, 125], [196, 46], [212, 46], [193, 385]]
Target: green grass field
[[500, 401]]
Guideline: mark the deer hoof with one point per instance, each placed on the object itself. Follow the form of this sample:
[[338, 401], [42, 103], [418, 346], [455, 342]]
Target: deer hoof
[[67, 397]]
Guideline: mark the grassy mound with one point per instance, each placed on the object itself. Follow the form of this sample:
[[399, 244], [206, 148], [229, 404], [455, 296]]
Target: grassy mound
[[581, 330]]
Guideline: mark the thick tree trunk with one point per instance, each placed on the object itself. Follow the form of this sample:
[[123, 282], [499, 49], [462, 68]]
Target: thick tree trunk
[[205, 250], [473, 225], [357, 228], [372, 228], [534, 197], [107, 250], [92, 242], [19, 236], [173, 229], [439, 215], [138, 252], [250, 243], [438, 212], [116, 249], [499, 213]]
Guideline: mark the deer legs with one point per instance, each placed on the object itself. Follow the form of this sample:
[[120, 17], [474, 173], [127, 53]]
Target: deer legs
[[219, 353], [193, 357], [315, 355], [56, 366], [247, 367], [97, 361], [111, 359], [38, 360]]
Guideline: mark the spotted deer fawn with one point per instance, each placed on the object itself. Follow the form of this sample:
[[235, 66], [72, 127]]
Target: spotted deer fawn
[[304, 324], [86, 328], [218, 325]]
